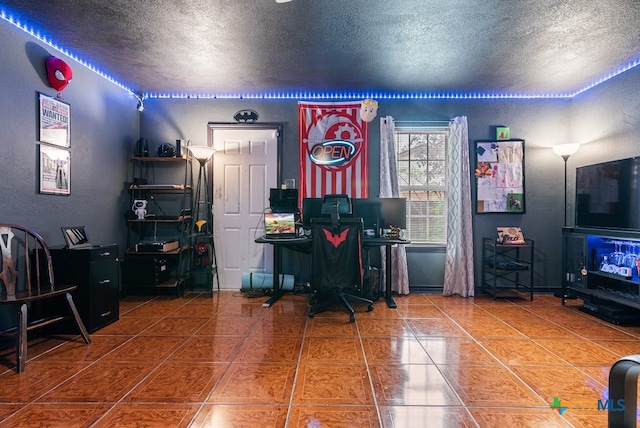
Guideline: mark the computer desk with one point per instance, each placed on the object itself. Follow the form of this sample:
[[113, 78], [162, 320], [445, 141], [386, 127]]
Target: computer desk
[[304, 244], [387, 243]]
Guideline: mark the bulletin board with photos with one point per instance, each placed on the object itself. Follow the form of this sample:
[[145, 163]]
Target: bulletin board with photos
[[499, 176]]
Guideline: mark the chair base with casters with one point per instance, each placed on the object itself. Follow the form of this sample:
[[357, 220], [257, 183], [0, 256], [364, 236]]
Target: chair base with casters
[[26, 277], [320, 304], [337, 265]]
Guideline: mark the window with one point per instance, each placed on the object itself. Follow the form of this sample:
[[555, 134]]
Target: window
[[421, 158]]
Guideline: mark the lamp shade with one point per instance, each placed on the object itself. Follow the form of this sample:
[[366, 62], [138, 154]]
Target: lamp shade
[[202, 153], [566, 149]]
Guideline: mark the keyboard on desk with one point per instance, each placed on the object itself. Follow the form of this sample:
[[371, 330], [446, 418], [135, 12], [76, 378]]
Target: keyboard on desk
[[286, 238]]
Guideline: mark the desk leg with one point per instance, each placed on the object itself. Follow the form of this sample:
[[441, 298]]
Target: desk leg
[[277, 254], [387, 278]]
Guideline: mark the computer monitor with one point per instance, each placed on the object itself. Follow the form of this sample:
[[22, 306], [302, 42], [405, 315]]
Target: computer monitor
[[283, 200], [370, 210], [394, 212], [321, 207], [390, 211], [381, 212], [311, 208], [280, 225]]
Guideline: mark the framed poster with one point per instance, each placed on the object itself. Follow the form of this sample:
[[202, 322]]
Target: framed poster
[[54, 170], [500, 176], [55, 118]]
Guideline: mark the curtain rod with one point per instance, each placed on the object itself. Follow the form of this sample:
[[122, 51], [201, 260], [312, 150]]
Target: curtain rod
[[422, 125], [424, 121]]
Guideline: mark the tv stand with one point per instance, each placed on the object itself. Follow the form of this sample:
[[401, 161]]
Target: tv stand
[[601, 268], [610, 312]]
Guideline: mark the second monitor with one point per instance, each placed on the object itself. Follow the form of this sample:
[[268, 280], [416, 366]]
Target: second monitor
[[375, 212]]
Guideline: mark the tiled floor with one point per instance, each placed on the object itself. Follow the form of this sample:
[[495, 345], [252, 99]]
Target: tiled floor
[[227, 361]]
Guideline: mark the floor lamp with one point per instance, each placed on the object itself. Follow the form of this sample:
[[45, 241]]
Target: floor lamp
[[565, 151], [203, 243]]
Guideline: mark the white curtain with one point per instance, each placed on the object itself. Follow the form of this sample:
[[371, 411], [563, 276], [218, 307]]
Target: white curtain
[[389, 189], [458, 271]]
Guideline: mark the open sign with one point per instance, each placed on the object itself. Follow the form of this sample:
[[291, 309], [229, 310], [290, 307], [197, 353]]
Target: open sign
[[335, 152]]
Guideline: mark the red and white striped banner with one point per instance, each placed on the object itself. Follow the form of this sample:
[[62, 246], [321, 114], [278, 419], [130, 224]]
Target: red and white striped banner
[[334, 150]]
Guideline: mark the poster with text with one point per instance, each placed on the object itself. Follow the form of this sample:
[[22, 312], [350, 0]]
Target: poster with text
[[54, 121]]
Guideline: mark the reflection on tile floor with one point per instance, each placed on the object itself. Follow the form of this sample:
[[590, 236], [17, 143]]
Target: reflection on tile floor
[[227, 361]]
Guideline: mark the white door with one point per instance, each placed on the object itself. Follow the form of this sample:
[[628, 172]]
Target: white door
[[244, 169]]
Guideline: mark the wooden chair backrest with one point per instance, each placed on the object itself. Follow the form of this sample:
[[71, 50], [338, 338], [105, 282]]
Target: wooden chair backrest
[[26, 262]]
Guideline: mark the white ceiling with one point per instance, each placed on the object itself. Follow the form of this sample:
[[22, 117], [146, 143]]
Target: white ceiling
[[228, 47]]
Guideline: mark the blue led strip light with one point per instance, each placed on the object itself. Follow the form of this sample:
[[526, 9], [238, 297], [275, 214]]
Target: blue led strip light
[[44, 39], [350, 95], [297, 95]]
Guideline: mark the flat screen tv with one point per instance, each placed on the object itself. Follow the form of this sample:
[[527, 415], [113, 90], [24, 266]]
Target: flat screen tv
[[608, 195]]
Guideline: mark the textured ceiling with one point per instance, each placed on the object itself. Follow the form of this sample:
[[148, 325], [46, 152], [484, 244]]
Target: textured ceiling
[[261, 47]]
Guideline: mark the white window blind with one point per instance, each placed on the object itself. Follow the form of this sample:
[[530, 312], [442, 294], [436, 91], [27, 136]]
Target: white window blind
[[421, 157]]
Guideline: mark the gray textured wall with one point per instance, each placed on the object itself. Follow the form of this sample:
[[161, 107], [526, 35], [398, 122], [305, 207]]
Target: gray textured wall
[[103, 126], [542, 123]]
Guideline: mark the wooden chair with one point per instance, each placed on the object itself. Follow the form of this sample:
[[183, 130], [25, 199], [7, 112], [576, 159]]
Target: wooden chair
[[26, 276]]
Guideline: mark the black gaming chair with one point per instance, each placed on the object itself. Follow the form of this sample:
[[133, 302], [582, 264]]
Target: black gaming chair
[[337, 264]]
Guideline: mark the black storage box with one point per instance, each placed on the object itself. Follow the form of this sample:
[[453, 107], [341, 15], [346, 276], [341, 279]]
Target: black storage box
[[144, 271]]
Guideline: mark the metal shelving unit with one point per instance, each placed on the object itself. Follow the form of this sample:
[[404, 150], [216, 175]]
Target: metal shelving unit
[[507, 269], [168, 182]]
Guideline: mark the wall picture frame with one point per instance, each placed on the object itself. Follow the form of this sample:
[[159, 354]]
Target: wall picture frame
[[55, 168], [499, 176], [55, 121]]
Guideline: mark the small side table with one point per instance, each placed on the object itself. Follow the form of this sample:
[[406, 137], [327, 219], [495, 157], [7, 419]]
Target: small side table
[[507, 269]]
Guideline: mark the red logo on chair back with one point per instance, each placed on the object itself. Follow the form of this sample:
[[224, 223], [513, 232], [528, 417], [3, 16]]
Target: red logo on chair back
[[336, 240]]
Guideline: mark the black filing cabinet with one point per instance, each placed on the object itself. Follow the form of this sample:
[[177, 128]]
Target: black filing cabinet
[[96, 273]]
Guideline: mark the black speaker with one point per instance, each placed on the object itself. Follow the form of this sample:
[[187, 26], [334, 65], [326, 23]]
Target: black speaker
[[142, 148]]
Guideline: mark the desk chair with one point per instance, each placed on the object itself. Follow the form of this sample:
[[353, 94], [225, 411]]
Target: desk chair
[[336, 264]]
